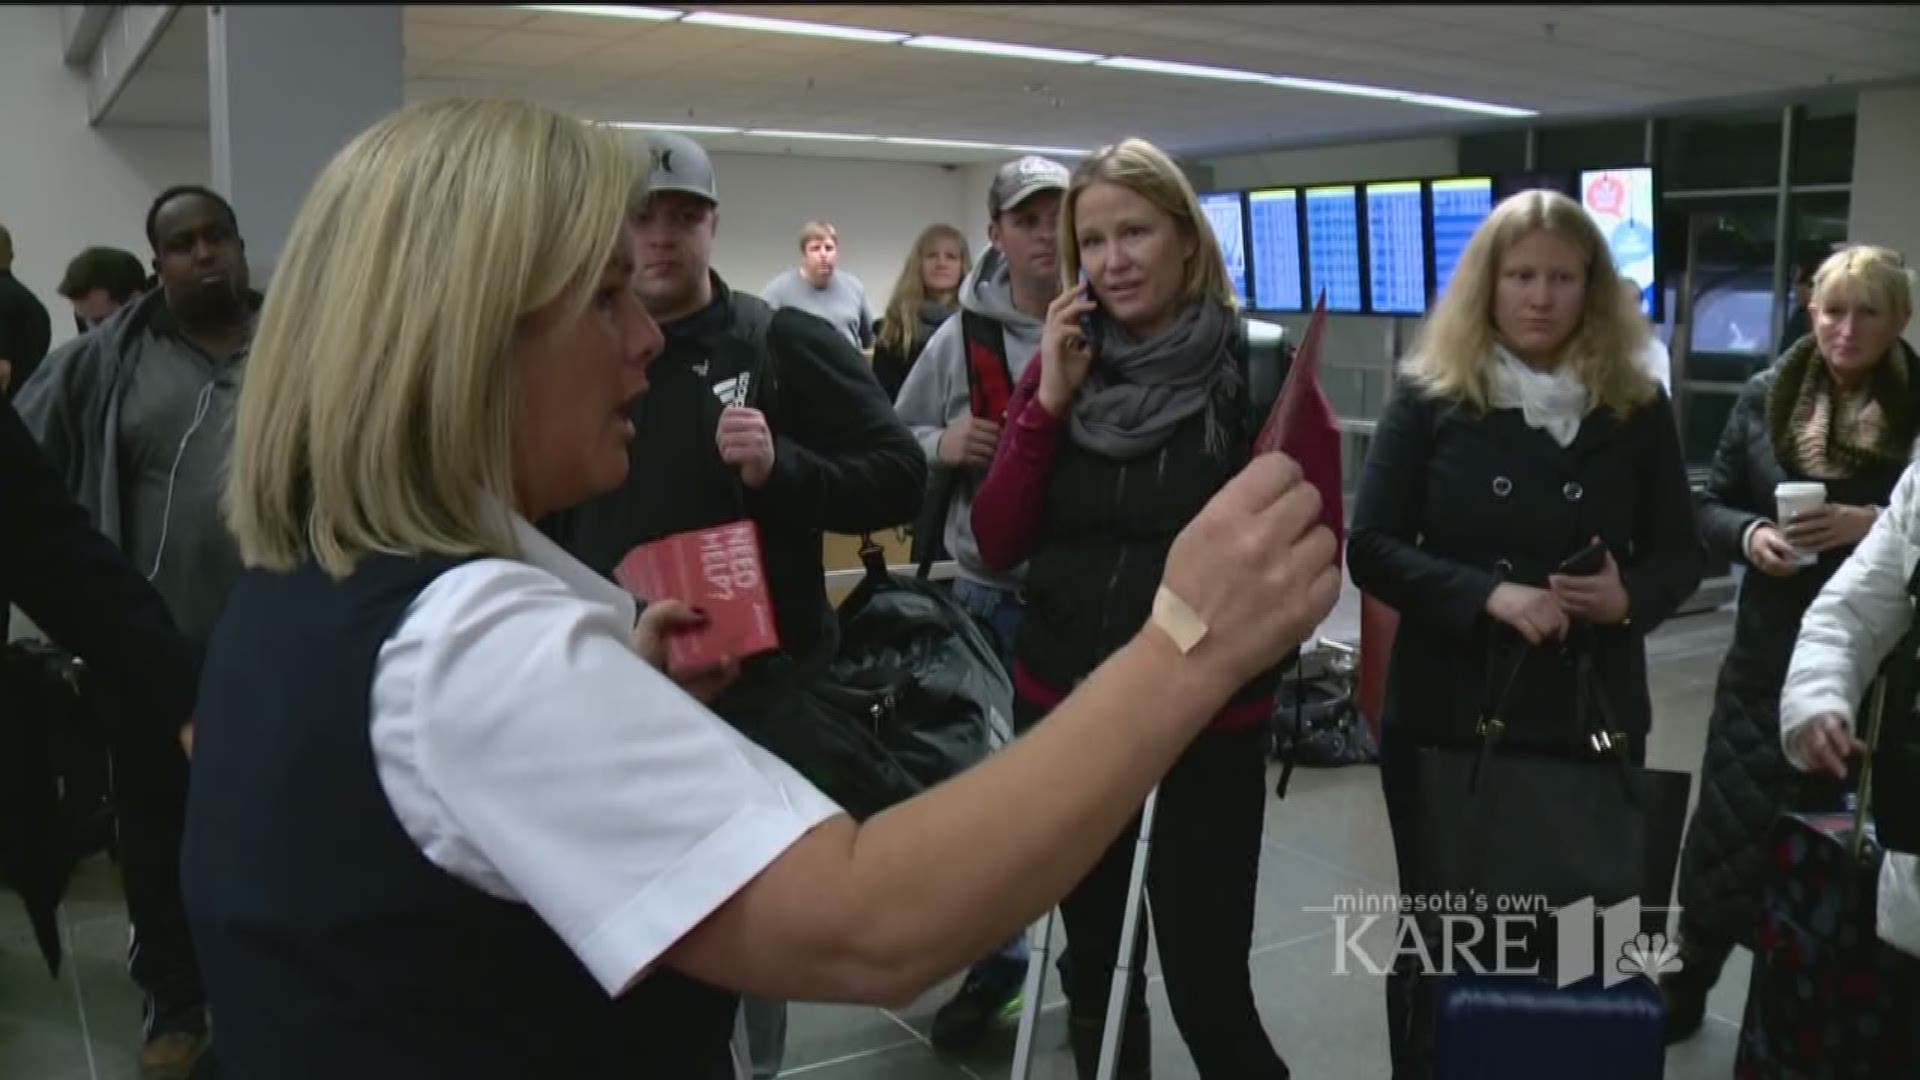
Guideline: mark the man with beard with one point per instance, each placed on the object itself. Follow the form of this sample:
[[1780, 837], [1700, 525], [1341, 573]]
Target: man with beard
[[137, 417], [750, 413]]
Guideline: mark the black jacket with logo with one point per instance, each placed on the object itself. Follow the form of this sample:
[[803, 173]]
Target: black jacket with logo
[[843, 462]]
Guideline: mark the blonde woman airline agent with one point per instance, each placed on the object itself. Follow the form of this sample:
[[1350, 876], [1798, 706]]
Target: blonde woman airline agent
[[448, 819], [1522, 427], [1111, 447]]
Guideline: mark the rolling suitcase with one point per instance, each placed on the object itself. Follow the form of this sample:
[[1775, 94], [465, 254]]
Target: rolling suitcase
[[1123, 973], [1522, 1028]]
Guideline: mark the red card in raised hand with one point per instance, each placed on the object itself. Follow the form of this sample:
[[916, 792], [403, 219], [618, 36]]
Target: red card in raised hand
[[1301, 425]]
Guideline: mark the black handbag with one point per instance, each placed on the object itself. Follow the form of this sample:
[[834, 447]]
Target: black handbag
[[1540, 826], [1891, 728]]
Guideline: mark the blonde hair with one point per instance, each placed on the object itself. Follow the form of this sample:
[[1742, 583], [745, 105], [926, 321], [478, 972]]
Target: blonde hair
[[910, 291], [818, 230], [1872, 275], [1453, 354], [377, 411], [1144, 169]]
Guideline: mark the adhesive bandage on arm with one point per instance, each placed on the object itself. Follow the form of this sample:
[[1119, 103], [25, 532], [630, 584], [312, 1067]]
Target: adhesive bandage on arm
[[1178, 619]]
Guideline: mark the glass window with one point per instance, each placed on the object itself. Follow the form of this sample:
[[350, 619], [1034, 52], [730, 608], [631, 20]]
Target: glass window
[[1731, 285], [1493, 152], [1703, 153], [1591, 146], [1823, 145]]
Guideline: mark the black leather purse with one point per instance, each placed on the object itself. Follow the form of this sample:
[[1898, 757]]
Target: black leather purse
[[1541, 824]]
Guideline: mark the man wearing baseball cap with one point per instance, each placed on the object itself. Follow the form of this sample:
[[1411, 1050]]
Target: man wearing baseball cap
[[1003, 304], [750, 413]]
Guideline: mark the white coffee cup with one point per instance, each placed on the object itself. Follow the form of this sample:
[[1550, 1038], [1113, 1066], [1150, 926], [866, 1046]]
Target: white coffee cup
[[1795, 497]]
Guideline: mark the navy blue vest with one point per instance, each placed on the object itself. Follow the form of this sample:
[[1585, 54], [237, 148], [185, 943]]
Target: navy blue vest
[[329, 944]]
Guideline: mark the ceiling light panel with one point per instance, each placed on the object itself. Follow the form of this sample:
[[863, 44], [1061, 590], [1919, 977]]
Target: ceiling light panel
[[1001, 48], [692, 129], [733, 21], [612, 11], [822, 136], [1175, 67]]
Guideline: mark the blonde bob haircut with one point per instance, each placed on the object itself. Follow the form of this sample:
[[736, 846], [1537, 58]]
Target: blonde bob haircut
[[1146, 170], [1453, 355], [377, 411], [1875, 276]]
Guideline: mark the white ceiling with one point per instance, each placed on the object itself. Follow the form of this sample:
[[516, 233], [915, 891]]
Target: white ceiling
[[1560, 60]]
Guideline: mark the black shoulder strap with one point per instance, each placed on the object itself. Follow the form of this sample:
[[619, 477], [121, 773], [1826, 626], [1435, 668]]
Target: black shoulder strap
[[989, 376], [1265, 359], [750, 320]]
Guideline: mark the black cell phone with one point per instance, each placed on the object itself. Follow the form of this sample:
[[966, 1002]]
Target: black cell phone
[[1586, 562], [1090, 322]]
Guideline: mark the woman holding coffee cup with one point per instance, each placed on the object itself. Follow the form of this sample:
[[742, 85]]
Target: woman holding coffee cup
[[1808, 459]]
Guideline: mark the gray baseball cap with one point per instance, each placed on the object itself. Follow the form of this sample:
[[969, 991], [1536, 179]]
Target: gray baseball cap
[[680, 164], [1021, 179]]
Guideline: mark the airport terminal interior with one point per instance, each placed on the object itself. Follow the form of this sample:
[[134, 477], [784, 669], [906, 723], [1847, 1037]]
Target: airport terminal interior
[[1341, 152]]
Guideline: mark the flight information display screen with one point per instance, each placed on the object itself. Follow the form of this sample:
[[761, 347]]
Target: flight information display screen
[[1459, 206], [1224, 214], [1396, 249], [1333, 246], [1276, 249]]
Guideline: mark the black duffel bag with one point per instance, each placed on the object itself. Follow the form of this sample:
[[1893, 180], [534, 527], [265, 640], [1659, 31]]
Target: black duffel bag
[[915, 695]]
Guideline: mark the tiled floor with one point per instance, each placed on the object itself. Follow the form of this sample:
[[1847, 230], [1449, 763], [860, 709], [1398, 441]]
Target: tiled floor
[[1327, 838]]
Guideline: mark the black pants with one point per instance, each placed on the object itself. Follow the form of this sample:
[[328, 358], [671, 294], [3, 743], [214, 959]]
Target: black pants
[[150, 795], [1201, 880]]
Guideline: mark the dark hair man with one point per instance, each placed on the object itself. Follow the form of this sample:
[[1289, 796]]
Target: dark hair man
[[100, 281], [24, 328], [136, 417]]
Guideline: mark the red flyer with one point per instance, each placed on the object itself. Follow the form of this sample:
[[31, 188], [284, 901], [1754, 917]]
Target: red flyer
[[718, 570]]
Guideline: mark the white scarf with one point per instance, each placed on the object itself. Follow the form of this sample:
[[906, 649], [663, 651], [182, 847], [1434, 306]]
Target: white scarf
[[1554, 402]]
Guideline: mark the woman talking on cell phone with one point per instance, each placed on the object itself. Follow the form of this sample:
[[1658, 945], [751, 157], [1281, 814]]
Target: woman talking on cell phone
[[1522, 428], [1136, 414]]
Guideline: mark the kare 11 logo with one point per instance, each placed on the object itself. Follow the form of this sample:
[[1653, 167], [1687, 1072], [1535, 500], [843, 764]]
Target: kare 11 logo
[[1479, 935]]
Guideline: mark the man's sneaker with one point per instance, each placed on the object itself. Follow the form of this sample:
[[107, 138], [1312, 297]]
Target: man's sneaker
[[984, 999], [172, 1055]]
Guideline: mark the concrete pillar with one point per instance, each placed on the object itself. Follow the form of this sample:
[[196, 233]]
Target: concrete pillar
[[1886, 176], [288, 87]]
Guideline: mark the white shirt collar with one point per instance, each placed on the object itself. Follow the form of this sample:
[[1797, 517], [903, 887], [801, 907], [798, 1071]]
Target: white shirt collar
[[539, 550]]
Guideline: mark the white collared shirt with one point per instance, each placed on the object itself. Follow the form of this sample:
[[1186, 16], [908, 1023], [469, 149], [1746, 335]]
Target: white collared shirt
[[531, 753]]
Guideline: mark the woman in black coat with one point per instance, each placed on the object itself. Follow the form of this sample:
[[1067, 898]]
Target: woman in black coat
[[927, 294], [1523, 426], [1839, 406]]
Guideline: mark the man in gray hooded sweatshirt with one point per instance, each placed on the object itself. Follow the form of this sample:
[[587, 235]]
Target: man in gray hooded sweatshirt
[[1006, 295]]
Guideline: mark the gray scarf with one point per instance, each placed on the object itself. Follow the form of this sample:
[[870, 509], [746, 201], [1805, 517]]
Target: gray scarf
[[1139, 392]]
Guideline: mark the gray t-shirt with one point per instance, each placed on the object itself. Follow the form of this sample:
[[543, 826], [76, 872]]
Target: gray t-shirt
[[170, 514], [842, 303]]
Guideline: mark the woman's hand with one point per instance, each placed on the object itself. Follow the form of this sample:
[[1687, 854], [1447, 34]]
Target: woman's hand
[[1770, 553], [1256, 568], [1829, 526], [1825, 743], [1599, 598], [1065, 353], [1535, 613], [660, 621]]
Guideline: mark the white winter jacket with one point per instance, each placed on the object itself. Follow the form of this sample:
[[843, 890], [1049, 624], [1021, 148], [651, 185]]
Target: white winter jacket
[[1859, 616]]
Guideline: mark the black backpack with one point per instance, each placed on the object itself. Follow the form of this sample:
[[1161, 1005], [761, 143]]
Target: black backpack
[[915, 693]]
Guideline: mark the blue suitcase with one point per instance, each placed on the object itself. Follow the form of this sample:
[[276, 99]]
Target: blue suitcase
[[1520, 1028]]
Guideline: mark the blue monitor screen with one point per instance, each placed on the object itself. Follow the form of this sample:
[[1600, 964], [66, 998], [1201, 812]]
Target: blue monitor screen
[[1276, 250], [1459, 206], [1333, 246], [1397, 254], [1223, 213]]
